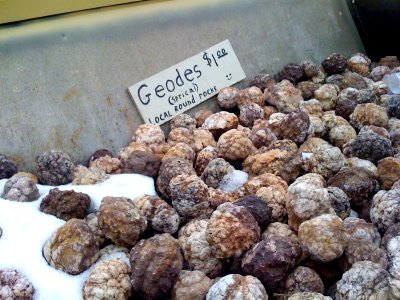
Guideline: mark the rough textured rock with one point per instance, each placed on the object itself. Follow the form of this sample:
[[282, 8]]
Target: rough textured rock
[[358, 183], [226, 97], [270, 259], [308, 296], [294, 126], [189, 195], [360, 230], [369, 114], [215, 172], [354, 80], [302, 279], [33, 177], [203, 158], [334, 64], [261, 135], [275, 197], [250, 113], [149, 135], [378, 72], [317, 128], [258, 208], [235, 286], [15, 285], [161, 217], [220, 122], [201, 115], [342, 134], [355, 162], [202, 139], [156, 264], [385, 210], [359, 63], [339, 201], [284, 96], [180, 150], [312, 108], [330, 120], [370, 146], [327, 95], [365, 280], [388, 171], [391, 232], [231, 230], [277, 229], [344, 108], [169, 169], [263, 81], [393, 251], [111, 250], [191, 285], [323, 238], [83, 175], [107, 164], [292, 72], [250, 95], [197, 251], [109, 279], [98, 154], [7, 167], [181, 135], [263, 180], [121, 221], [307, 89], [320, 77], [65, 205], [281, 158], [182, 120], [363, 250], [389, 61], [54, 168], [322, 158], [72, 248], [336, 79], [307, 198], [21, 189], [234, 145]]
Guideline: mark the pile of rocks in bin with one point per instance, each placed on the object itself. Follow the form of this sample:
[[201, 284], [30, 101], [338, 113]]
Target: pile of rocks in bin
[[317, 215]]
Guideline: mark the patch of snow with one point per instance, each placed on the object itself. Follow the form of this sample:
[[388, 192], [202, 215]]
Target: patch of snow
[[233, 181], [26, 229]]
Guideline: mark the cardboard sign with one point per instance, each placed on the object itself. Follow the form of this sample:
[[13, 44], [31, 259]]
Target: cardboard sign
[[162, 96]]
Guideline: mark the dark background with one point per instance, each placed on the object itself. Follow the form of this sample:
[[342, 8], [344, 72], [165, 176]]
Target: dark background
[[378, 23]]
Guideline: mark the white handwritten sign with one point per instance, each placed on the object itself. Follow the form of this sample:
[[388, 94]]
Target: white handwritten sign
[[162, 96]]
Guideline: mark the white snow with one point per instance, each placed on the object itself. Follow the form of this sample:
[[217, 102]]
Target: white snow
[[26, 228], [233, 181]]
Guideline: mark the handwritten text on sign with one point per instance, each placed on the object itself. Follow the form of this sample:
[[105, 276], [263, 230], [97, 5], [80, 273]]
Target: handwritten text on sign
[[161, 97]]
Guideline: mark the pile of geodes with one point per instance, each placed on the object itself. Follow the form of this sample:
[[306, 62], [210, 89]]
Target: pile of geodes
[[291, 192]]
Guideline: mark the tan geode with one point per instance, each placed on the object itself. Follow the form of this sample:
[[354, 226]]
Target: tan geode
[[388, 171], [156, 263], [323, 238], [196, 249], [72, 248], [121, 221], [109, 279], [191, 285], [284, 96], [234, 145], [231, 230]]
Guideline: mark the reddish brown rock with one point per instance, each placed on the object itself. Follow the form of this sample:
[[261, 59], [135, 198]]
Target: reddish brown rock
[[292, 72], [249, 113], [269, 260], [189, 195], [181, 135], [294, 126], [156, 264], [107, 164], [388, 171], [202, 139], [109, 279], [161, 216], [284, 96], [200, 116], [231, 230], [180, 150], [72, 248], [66, 205], [263, 81], [323, 238], [359, 63], [191, 285], [15, 285], [169, 169], [182, 120], [203, 158], [140, 162], [235, 286], [97, 154], [334, 64], [121, 221], [197, 251]]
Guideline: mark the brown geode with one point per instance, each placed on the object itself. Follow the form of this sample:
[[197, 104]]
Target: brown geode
[[65, 204]]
